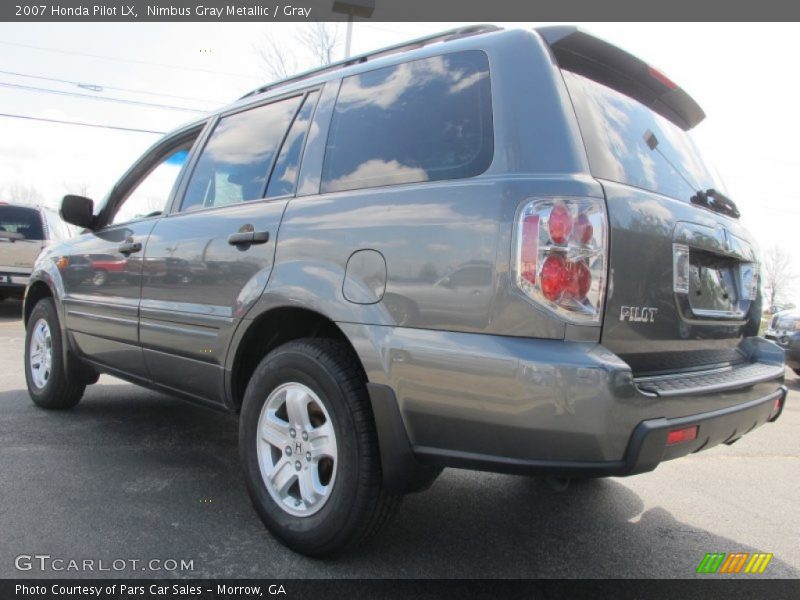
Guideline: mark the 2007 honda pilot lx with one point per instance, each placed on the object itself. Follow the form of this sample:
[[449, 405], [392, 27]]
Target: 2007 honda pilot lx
[[486, 249]]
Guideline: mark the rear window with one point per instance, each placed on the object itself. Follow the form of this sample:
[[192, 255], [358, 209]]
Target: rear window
[[613, 126], [22, 221], [788, 323], [423, 120]]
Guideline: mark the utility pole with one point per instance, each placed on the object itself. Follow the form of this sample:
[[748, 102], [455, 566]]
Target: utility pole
[[349, 37], [353, 8]]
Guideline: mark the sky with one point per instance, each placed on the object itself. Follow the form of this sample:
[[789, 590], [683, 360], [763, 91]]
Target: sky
[[736, 72]]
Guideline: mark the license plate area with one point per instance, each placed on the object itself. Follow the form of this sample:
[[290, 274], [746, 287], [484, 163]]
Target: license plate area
[[714, 285]]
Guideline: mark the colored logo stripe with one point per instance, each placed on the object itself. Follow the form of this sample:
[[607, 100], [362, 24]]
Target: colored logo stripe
[[711, 562], [758, 563], [720, 562]]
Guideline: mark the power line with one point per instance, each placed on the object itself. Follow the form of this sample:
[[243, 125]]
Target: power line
[[80, 123], [31, 88], [129, 60], [108, 87]]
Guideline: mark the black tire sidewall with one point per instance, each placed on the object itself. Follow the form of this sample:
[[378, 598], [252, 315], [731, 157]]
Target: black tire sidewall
[[48, 395], [314, 532]]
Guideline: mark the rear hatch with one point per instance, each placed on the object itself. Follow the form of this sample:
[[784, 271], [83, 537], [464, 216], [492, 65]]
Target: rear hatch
[[21, 239], [683, 283]]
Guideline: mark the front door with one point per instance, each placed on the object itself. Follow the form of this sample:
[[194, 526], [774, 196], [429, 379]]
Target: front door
[[102, 274], [213, 254]]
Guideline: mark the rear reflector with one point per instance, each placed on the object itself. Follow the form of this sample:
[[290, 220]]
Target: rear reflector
[[678, 436], [776, 408]]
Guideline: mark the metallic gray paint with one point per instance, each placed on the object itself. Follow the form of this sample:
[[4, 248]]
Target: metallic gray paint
[[475, 366]]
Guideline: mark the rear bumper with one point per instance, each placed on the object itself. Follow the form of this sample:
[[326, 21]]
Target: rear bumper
[[646, 450], [568, 409], [13, 284]]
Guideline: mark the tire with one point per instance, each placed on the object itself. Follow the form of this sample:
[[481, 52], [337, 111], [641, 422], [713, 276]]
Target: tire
[[353, 506], [797, 371], [54, 388]]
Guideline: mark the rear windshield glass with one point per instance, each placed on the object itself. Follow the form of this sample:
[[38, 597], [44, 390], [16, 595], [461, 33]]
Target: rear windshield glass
[[22, 221], [614, 127]]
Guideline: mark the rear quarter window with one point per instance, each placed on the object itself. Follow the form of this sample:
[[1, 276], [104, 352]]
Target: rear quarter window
[[424, 120]]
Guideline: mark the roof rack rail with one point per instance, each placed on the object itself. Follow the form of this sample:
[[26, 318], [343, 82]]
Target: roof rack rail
[[444, 36]]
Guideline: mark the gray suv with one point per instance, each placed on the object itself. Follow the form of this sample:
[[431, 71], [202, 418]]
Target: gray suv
[[487, 249]]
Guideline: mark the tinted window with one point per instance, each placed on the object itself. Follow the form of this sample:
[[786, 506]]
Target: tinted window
[[150, 196], [21, 221], [236, 160], [614, 126], [424, 120], [284, 175]]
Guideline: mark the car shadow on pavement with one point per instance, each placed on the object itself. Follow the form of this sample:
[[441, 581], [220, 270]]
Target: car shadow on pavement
[[130, 473], [10, 310]]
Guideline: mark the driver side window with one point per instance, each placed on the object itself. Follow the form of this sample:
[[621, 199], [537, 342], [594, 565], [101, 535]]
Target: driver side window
[[150, 195]]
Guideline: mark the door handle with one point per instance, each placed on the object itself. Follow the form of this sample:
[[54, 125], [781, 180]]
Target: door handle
[[130, 247], [245, 238]]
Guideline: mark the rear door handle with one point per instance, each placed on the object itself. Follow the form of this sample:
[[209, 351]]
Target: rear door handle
[[130, 247], [245, 238]]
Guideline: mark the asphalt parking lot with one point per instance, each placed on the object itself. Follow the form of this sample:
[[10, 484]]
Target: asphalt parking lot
[[135, 475]]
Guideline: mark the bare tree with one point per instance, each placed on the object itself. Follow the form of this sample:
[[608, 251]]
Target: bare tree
[[778, 274], [77, 188], [321, 40], [21, 194], [314, 45]]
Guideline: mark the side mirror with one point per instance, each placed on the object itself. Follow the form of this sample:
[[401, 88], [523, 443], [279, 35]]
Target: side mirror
[[77, 210]]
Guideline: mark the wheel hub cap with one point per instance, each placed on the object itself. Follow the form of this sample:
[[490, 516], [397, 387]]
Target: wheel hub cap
[[40, 354], [297, 453]]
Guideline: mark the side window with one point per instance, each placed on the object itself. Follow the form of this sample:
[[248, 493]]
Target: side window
[[235, 163], [284, 175], [424, 120], [149, 197]]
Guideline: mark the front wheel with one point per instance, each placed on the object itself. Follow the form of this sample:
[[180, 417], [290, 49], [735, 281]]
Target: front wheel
[[49, 384], [309, 448]]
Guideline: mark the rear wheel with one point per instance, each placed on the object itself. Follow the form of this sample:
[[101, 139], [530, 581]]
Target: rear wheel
[[49, 384], [796, 371], [309, 448]]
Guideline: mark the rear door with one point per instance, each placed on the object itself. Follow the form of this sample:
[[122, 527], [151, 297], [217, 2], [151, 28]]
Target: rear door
[[210, 259], [683, 284], [102, 312]]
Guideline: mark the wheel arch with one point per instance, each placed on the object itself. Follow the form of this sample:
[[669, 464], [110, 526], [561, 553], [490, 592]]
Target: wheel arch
[[36, 291], [270, 329]]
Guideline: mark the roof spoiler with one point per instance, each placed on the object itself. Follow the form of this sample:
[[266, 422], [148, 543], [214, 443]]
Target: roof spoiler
[[581, 53]]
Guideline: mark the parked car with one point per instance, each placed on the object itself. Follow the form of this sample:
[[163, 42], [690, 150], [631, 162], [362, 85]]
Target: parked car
[[607, 309], [784, 328], [24, 231], [781, 323]]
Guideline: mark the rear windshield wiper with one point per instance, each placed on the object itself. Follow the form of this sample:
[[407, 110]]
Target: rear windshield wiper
[[714, 200], [710, 198]]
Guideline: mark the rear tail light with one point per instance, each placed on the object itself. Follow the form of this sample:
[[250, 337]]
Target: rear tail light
[[561, 256]]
